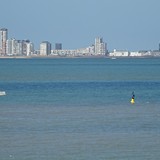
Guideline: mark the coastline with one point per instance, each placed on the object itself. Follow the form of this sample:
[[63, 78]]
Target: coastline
[[98, 56]]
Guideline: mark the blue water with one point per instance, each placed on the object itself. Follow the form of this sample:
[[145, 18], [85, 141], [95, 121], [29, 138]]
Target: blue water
[[79, 109]]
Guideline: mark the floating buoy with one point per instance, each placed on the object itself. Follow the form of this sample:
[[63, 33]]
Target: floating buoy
[[132, 101], [133, 96]]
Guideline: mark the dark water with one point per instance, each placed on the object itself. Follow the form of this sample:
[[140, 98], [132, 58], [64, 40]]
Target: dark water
[[79, 109]]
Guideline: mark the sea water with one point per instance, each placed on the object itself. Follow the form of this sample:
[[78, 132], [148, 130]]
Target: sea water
[[79, 109]]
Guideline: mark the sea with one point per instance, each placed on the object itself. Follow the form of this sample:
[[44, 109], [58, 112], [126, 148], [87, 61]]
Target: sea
[[79, 109]]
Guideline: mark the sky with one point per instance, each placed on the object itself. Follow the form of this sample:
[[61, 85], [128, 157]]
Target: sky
[[124, 24]]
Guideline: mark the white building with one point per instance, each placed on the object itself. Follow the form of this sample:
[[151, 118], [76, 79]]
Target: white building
[[71, 53], [88, 51], [119, 53], [100, 47], [14, 47], [135, 54], [9, 47], [30, 49], [45, 48], [17, 47], [63, 52]]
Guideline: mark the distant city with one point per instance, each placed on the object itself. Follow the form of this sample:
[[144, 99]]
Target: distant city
[[11, 47]]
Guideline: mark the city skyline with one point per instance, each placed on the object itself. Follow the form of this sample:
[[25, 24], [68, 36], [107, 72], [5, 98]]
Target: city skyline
[[124, 24], [14, 47]]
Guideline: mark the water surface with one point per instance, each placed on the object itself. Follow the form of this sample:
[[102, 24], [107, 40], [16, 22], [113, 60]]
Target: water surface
[[79, 109]]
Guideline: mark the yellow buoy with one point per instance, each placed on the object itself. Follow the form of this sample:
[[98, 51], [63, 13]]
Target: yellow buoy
[[132, 101]]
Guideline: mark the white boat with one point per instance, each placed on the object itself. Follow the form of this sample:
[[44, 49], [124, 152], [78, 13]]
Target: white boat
[[2, 93]]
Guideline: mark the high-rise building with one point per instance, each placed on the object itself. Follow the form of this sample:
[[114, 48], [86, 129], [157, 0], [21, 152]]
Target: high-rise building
[[3, 40], [100, 46], [9, 47], [58, 46], [19, 47], [14, 46], [30, 49], [45, 48]]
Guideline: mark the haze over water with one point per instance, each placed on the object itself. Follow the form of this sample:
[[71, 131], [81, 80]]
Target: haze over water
[[79, 109]]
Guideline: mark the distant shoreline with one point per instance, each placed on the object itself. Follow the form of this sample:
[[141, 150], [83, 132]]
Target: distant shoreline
[[57, 57]]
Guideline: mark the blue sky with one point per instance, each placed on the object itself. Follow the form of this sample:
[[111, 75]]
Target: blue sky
[[123, 24]]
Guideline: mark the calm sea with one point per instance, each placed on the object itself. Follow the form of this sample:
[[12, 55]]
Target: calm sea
[[79, 109]]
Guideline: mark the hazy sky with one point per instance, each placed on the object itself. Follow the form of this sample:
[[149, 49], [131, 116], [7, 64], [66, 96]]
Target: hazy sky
[[123, 24]]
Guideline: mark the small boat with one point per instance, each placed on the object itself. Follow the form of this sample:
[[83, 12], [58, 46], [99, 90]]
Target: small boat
[[113, 58], [2, 93]]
